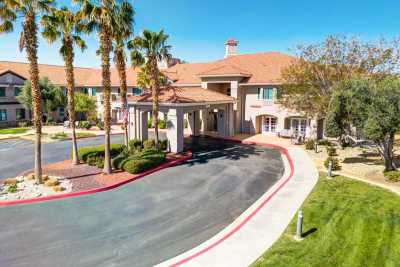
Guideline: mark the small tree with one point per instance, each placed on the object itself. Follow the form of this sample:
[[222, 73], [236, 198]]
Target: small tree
[[52, 96], [372, 106], [85, 104], [309, 81]]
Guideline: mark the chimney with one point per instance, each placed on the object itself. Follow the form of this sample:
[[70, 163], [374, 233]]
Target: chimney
[[230, 48]]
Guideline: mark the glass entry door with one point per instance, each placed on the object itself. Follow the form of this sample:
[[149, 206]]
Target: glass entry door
[[298, 126], [268, 124]]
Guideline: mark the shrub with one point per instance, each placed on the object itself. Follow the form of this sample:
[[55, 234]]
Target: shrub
[[135, 144], [162, 124], [156, 158], [392, 176], [335, 163], [100, 125], [12, 188], [115, 163], [137, 165], [331, 151], [84, 152], [310, 144], [84, 125], [59, 136], [163, 144], [100, 163], [148, 144], [324, 142]]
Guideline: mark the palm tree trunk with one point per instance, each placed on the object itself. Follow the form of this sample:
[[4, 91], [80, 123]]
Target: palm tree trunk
[[105, 62], [30, 32], [155, 91], [122, 80], [69, 71]]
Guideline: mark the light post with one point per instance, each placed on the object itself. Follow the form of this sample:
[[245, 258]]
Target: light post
[[330, 169], [299, 226]]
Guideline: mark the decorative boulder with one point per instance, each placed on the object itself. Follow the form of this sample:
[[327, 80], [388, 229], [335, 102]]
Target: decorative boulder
[[58, 188], [10, 181], [51, 182]]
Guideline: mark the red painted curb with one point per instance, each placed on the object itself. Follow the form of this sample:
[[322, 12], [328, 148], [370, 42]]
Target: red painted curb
[[96, 190], [248, 218]]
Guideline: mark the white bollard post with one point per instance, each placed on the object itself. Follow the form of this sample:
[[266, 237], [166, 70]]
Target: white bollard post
[[299, 226]]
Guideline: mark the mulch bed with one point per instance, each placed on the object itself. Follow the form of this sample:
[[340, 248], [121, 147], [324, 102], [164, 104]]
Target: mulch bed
[[85, 177]]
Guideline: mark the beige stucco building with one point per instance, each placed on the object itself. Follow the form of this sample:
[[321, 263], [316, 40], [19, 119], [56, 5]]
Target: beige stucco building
[[252, 81]]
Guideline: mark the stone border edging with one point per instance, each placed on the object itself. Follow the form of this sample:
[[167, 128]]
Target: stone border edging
[[280, 184], [97, 190]]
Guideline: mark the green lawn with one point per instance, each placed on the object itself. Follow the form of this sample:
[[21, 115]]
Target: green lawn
[[64, 136], [14, 130], [352, 224]]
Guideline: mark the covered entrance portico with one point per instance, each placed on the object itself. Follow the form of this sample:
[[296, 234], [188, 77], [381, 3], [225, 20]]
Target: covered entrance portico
[[199, 104]]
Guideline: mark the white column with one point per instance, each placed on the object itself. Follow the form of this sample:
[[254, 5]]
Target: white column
[[132, 123], [194, 123], [231, 120], [143, 131], [175, 130], [235, 92], [203, 122]]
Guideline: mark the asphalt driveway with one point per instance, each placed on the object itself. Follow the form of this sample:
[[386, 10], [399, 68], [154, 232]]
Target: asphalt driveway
[[16, 156], [147, 221]]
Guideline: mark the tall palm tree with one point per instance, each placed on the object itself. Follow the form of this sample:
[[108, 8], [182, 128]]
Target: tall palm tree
[[122, 31], [28, 10], [147, 50], [101, 17], [64, 25]]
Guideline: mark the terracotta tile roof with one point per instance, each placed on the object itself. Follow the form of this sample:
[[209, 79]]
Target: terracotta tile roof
[[174, 94], [264, 68], [56, 74], [186, 73], [224, 70]]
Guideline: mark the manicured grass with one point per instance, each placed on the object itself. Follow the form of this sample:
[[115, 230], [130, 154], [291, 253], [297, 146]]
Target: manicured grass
[[352, 224], [14, 130], [65, 136], [84, 134]]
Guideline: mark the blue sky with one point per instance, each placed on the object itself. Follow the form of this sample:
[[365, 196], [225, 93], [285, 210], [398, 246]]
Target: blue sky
[[198, 29]]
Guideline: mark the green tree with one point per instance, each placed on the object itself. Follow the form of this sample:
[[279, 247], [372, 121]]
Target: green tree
[[62, 24], [28, 10], [373, 106], [52, 97], [101, 16], [147, 50], [143, 78], [85, 104], [122, 31], [309, 81]]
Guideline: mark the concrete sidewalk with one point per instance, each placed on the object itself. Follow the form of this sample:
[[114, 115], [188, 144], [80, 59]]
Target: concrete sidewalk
[[246, 239]]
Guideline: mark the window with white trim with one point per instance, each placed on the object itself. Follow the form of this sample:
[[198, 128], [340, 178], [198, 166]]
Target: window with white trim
[[266, 93], [3, 114]]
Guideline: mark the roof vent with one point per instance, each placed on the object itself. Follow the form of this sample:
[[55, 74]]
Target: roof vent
[[230, 48]]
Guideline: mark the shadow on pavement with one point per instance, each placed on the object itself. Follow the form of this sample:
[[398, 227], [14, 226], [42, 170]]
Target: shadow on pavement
[[206, 148]]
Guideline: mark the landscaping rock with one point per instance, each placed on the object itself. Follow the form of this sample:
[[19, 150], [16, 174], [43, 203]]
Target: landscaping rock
[[31, 176], [10, 181], [51, 182], [58, 188]]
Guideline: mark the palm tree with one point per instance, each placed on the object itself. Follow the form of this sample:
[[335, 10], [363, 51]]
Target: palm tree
[[122, 31], [64, 25], [101, 17], [28, 10], [147, 50]]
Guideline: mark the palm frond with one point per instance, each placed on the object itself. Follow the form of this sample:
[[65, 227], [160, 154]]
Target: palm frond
[[6, 27]]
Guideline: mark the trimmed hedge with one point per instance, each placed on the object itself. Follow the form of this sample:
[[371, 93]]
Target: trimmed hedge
[[135, 144], [310, 144], [84, 152], [148, 159], [148, 144]]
